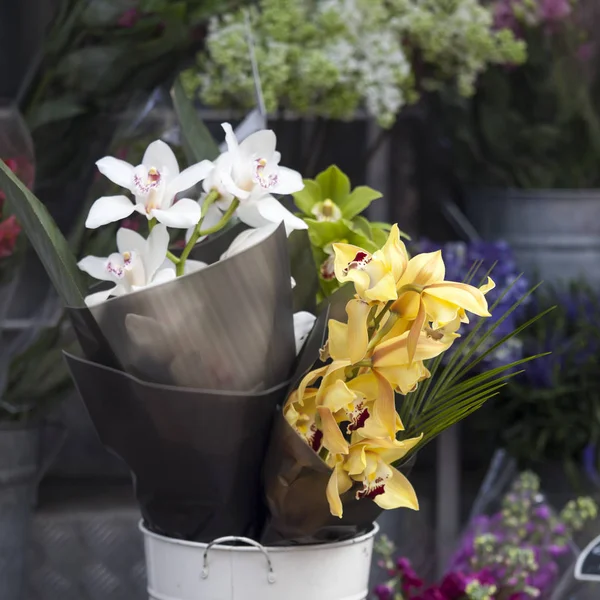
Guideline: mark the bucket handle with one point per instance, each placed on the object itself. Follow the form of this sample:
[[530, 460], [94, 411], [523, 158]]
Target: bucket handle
[[234, 538]]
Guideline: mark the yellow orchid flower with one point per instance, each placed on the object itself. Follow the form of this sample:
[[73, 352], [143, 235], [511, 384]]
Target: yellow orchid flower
[[424, 296], [366, 403], [302, 416], [375, 276], [369, 464]]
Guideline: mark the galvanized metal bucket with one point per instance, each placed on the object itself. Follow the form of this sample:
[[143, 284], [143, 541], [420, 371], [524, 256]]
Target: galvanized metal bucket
[[180, 570], [555, 234]]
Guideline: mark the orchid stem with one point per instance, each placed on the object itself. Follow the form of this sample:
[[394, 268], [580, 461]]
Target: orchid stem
[[172, 258], [151, 223], [198, 232]]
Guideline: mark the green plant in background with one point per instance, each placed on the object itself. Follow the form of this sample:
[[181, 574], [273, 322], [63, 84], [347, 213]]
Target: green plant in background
[[332, 57], [552, 411], [332, 212], [535, 125]]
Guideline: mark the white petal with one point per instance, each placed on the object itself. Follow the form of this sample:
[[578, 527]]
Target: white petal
[[156, 250], [230, 139], [141, 208], [98, 297], [118, 171], [288, 182], [191, 266], [292, 282], [96, 267], [160, 156], [247, 239], [258, 213], [108, 209], [232, 188], [163, 276], [303, 324], [259, 145], [189, 177], [129, 240], [183, 214]]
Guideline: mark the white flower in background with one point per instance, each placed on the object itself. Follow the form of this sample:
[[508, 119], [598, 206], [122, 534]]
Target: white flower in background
[[250, 172], [137, 264], [154, 184], [303, 324]]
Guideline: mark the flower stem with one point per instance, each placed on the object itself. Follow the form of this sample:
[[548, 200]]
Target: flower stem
[[198, 232], [151, 224], [172, 258]]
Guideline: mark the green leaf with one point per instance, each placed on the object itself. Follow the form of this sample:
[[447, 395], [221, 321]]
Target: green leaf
[[54, 110], [100, 13], [199, 142], [362, 225], [46, 239], [306, 198], [335, 185], [323, 233], [360, 198]]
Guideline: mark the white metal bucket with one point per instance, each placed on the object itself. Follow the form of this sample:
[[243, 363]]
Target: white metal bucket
[[179, 570]]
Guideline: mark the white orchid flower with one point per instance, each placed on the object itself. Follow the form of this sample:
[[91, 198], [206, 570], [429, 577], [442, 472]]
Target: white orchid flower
[[154, 184], [303, 324], [138, 263], [247, 239], [250, 172]]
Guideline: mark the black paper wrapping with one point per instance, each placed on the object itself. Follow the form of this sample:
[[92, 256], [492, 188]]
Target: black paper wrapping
[[226, 327], [195, 455]]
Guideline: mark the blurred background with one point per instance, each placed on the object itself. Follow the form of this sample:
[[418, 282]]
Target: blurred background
[[479, 121]]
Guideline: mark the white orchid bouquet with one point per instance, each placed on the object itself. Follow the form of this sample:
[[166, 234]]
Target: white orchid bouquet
[[214, 379]]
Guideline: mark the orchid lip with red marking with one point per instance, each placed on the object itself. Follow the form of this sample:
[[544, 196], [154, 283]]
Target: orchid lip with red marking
[[360, 261], [267, 181], [358, 418], [371, 491]]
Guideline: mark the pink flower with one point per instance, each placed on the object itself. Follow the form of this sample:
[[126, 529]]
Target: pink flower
[[129, 18], [9, 232], [454, 585]]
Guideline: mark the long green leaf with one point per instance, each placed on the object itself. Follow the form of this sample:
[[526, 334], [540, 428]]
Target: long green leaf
[[198, 140], [45, 237]]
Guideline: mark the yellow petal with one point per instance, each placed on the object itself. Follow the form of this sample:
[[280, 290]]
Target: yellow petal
[[405, 378], [366, 384], [394, 352], [399, 493], [339, 482], [414, 333], [333, 439], [357, 460], [407, 305], [333, 372], [394, 253], [487, 287], [338, 340], [382, 290], [338, 396], [462, 295], [344, 255], [384, 407], [357, 332], [307, 380], [440, 311], [424, 269], [400, 448]]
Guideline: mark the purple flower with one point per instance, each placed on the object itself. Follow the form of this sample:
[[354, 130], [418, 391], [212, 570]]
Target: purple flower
[[485, 577], [555, 10], [383, 592], [542, 512], [409, 578], [454, 586], [555, 550], [432, 593]]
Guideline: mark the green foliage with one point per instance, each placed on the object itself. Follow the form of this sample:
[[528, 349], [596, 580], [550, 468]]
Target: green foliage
[[332, 212], [333, 57], [536, 125]]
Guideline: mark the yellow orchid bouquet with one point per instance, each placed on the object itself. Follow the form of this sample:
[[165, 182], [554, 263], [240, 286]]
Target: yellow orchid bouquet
[[370, 404]]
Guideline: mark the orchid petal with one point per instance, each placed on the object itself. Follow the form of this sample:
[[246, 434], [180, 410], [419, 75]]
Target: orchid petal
[[230, 138], [232, 188], [260, 144], [338, 483], [288, 182], [96, 267], [333, 439], [461, 295], [303, 324], [189, 177], [424, 269], [160, 156], [395, 254], [118, 171], [108, 209], [266, 210], [183, 214], [338, 340], [98, 297], [398, 493], [156, 250], [130, 241], [191, 266], [247, 239], [414, 333], [338, 396], [358, 334], [384, 408], [163, 276], [405, 378]]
